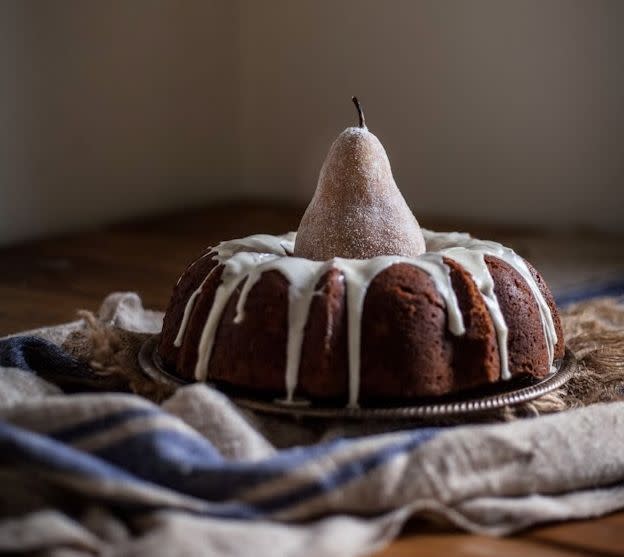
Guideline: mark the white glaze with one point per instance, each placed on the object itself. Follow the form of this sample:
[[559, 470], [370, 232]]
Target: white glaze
[[278, 245], [246, 259], [359, 273], [189, 306], [303, 275], [474, 263], [442, 241]]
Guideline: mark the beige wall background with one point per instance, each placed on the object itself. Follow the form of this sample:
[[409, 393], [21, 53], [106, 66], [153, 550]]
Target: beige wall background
[[495, 111], [113, 109]]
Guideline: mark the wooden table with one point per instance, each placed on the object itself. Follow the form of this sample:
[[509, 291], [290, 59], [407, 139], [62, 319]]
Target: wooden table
[[45, 282]]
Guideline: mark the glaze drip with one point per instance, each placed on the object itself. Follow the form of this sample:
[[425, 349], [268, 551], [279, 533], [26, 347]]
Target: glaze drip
[[474, 263], [359, 273], [444, 241], [246, 259]]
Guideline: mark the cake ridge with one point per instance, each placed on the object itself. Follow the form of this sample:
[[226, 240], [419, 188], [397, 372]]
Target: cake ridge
[[488, 247]]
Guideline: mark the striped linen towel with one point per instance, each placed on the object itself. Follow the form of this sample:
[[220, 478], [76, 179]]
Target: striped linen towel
[[115, 474]]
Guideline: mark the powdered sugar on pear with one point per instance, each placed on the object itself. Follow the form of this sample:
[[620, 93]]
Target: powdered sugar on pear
[[357, 211]]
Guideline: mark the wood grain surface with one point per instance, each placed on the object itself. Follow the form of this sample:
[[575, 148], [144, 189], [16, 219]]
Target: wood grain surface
[[45, 282]]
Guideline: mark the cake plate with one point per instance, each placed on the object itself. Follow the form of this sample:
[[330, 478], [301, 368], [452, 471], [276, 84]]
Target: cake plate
[[433, 408]]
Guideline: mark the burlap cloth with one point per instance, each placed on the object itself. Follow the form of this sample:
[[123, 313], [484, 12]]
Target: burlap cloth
[[594, 331]]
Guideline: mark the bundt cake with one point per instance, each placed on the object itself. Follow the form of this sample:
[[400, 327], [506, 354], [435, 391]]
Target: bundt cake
[[465, 314], [360, 304]]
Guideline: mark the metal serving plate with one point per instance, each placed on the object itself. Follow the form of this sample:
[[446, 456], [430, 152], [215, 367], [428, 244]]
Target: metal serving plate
[[452, 406]]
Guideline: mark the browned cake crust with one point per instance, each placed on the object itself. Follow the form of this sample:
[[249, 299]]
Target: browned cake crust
[[324, 350], [476, 359], [525, 341], [407, 350], [190, 280]]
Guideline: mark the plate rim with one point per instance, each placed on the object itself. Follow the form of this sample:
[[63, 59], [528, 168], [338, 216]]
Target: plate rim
[[151, 365]]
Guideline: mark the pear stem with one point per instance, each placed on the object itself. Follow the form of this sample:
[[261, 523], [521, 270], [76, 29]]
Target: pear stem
[[360, 112]]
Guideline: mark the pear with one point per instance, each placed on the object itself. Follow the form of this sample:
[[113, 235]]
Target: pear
[[357, 211]]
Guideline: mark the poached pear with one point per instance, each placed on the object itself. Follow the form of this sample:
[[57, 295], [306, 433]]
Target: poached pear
[[357, 211]]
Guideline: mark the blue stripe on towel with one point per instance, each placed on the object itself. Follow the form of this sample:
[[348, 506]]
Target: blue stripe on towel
[[214, 479], [336, 477], [170, 459], [25, 449], [84, 429], [612, 288], [35, 353], [350, 471], [18, 445]]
